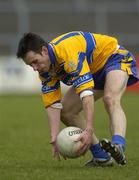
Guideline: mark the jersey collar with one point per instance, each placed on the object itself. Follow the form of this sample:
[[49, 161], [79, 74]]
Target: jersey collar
[[51, 54]]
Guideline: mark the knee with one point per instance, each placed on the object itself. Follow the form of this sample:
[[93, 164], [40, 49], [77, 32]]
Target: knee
[[111, 101], [66, 116]]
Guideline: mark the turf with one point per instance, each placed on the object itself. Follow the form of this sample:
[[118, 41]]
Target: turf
[[25, 152]]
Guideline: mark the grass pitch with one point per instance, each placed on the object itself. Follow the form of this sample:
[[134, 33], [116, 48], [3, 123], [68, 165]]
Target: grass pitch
[[25, 153]]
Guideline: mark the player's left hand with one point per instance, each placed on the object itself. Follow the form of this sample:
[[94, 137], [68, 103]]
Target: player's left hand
[[86, 139], [55, 151]]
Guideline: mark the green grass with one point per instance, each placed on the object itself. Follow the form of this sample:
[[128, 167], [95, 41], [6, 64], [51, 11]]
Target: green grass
[[25, 152]]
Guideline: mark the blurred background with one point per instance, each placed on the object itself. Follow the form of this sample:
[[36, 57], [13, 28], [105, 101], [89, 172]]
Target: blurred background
[[50, 18]]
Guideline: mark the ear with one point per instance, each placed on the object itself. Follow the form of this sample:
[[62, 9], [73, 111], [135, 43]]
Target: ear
[[44, 50]]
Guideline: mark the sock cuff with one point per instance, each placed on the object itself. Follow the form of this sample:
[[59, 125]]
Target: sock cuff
[[117, 139], [95, 147], [98, 152]]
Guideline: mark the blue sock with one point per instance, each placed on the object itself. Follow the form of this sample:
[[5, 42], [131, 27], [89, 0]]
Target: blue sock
[[117, 139], [98, 152]]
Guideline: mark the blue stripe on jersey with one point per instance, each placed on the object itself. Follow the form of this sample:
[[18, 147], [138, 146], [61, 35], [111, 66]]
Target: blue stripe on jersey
[[66, 36], [48, 89], [82, 80], [51, 54], [47, 78], [44, 82], [90, 41], [45, 75], [81, 58]]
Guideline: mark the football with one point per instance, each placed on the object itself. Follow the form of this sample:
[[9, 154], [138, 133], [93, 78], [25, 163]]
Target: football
[[66, 142]]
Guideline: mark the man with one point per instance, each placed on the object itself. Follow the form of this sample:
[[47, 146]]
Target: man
[[95, 66]]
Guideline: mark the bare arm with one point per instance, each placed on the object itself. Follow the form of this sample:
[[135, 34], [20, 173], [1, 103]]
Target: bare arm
[[88, 107], [54, 121], [86, 136]]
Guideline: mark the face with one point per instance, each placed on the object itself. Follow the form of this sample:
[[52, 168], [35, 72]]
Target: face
[[39, 62]]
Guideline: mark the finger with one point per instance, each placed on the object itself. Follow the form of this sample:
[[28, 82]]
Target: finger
[[78, 139], [86, 150], [84, 146], [64, 157], [56, 155], [83, 149]]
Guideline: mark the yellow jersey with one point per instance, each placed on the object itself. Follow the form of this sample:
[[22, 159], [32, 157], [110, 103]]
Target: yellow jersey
[[75, 57]]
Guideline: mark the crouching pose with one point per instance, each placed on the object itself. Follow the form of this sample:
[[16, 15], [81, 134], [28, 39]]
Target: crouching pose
[[95, 66]]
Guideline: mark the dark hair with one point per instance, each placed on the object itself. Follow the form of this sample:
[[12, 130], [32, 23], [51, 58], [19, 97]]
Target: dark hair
[[30, 42]]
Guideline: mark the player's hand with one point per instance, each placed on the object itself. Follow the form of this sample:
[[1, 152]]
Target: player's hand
[[86, 139], [55, 152]]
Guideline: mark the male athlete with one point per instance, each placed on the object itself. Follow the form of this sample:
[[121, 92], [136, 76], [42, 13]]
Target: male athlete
[[95, 66]]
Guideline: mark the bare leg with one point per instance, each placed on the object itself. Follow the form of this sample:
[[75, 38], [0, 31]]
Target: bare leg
[[115, 86]]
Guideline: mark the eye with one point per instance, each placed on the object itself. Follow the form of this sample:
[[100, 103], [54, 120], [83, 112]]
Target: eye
[[35, 61]]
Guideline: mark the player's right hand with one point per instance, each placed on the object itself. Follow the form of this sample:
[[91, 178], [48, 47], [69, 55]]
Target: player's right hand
[[86, 139]]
